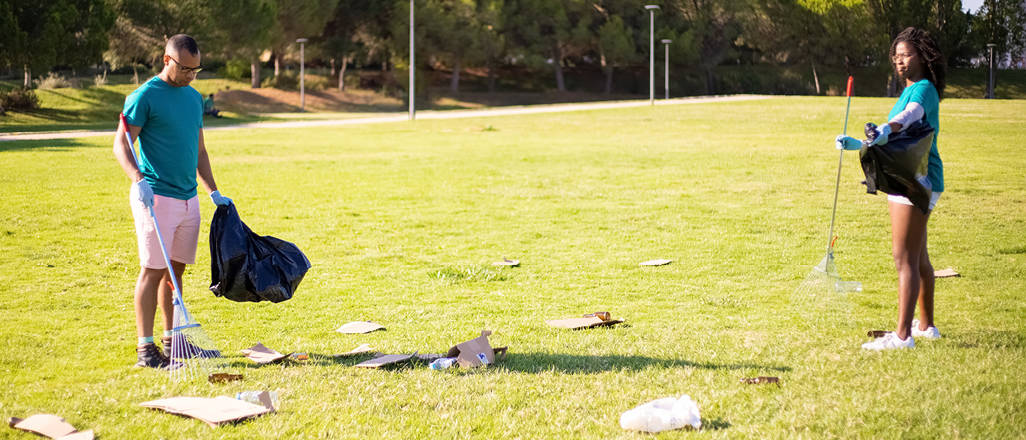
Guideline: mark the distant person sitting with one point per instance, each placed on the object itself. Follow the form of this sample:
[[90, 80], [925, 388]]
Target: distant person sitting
[[208, 107]]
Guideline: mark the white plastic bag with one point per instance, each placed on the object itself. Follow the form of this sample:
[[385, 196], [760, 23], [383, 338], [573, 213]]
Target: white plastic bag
[[662, 415]]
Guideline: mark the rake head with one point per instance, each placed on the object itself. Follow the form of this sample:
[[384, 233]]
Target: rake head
[[193, 353]]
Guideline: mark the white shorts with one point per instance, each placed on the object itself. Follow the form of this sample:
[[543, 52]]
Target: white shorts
[[905, 201], [179, 222]]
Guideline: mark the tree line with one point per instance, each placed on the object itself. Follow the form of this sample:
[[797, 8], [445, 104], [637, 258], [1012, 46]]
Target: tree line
[[491, 36]]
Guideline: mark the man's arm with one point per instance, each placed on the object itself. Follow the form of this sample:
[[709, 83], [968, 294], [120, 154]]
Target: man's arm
[[123, 151], [203, 171]]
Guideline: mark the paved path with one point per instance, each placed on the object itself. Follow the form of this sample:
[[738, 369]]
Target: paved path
[[398, 117]]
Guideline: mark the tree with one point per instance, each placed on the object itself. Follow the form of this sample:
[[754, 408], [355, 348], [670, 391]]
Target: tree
[[615, 44], [341, 38], [1003, 23], [298, 19], [549, 31], [713, 26], [56, 32], [243, 30]]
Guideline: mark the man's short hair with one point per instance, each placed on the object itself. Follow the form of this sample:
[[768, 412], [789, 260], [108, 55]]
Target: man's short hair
[[182, 42]]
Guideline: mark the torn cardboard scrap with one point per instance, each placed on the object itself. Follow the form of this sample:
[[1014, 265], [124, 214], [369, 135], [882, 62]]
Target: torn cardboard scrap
[[359, 327], [876, 333], [49, 425], [476, 352], [362, 349], [263, 355], [223, 377], [658, 262], [761, 380], [507, 262], [946, 273], [597, 319], [213, 411], [386, 360]]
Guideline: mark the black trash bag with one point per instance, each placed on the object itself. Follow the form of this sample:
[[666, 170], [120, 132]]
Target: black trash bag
[[247, 267], [899, 167]]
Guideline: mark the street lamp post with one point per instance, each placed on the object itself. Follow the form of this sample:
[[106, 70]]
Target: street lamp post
[[302, 73], [413, 65], [666, 61], [651, 52], [990, 75]]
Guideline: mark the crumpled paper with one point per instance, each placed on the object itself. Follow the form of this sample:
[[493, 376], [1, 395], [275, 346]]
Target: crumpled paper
[[662, 415]]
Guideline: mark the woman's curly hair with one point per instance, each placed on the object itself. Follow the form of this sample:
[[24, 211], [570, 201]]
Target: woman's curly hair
[[928, 51]]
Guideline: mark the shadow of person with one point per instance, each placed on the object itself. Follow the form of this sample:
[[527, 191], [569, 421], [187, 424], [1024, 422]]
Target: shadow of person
[[575, 363]]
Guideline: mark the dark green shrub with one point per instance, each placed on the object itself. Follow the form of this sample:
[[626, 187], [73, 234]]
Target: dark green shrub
[[235, 69], [19, 99]]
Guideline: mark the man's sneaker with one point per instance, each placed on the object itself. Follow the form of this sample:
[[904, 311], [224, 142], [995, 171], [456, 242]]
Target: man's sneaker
[[931, 332], [151, 357], [889, 341], [185, 349]]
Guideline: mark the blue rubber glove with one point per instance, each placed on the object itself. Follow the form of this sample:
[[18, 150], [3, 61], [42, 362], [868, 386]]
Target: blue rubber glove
[[220, 200], [142, 192], [880, 134], [843, 142]]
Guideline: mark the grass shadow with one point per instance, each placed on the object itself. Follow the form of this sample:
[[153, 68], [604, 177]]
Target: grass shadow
[[576, 364], [48, 144]]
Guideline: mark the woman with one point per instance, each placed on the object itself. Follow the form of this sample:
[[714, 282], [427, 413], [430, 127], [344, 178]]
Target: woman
[[918, 61]]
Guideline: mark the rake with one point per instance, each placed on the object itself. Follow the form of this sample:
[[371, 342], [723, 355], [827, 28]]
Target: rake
[[823, 296], [193, 353]]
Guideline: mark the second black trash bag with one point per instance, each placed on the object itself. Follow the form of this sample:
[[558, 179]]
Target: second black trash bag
[[899, 167], [245, 266]]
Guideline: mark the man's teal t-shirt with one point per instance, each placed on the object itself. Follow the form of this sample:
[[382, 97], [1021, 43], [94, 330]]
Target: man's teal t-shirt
[[171, 118], [925, 94]]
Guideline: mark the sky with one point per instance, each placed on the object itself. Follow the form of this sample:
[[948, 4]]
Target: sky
[[972, 5]]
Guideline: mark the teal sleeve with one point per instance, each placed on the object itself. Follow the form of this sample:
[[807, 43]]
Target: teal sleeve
[[927, 97], [136, 109]]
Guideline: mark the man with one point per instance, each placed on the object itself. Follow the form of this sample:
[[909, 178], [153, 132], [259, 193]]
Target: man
[[208, 107], [166, 114]]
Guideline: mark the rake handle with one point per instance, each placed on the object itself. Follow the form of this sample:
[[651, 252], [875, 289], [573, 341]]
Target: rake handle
[[840, 161]]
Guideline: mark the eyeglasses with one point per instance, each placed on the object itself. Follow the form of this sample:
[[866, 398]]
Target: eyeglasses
[[192, 70], [902, 56]]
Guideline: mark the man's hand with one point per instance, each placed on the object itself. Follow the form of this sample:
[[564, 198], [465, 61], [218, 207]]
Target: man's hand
[[142, 192], [877, 135], [843, 142], [220, 200]]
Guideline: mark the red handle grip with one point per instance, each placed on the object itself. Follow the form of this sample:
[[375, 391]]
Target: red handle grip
[[851, 85]]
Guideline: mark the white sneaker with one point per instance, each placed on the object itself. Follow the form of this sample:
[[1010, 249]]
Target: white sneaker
[[931, 332], [889, 341]]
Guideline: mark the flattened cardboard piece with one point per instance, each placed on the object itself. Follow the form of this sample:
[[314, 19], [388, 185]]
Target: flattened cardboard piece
[[386, 360], [946, 273], [80, 435], [362, 349], [876, 333], [359, 327], [223, 377], [657, 262], [47, 425], [474, 353], [584, 322], [215, 411], [263, 355], [430, 357], [507, 262]]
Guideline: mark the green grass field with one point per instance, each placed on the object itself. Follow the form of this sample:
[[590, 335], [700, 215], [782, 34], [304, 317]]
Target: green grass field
[[401, 222]]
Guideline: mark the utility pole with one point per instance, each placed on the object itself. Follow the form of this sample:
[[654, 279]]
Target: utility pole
[[413, 66], [651, 52], [302, 74], [990, 79], [666, 61]]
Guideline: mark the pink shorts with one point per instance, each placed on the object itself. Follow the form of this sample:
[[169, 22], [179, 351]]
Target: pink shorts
[[179, 222]]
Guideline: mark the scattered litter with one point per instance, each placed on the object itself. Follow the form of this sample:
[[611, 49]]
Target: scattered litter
[[662, 415], [263, 355], [476, 352], [430, 357], [507, 262], [597, 319], [659, 262], [224, 377], [213, 411], [442, 363], [386, 360], [300, 356], [359, 327], [761, 380], [362, 349], [946, 273], [267, 399], [49, 425], [876, 333]]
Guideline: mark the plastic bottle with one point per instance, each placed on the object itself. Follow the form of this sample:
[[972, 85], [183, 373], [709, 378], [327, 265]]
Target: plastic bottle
[[662, 414], [442, 363], [254, 397]]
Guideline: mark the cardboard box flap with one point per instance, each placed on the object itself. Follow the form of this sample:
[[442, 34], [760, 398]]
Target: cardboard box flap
[[386, 360], [359, 327], [466, 353], [80, 435], [215, 411], [47, 425], [362, 349], [263, 355]]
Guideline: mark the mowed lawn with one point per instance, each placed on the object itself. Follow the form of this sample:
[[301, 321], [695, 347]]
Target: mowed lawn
[[402, 221]]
